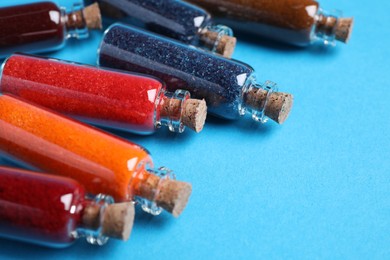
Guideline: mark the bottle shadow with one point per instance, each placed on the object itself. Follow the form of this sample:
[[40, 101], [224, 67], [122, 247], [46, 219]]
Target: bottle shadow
[[4, 161], [163, 136], [244, 125], [145, 220], [9, 249], [80, 247], [277, 46]]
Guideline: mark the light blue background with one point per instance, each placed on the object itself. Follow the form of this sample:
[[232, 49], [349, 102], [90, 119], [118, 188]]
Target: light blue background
[[316, 187]]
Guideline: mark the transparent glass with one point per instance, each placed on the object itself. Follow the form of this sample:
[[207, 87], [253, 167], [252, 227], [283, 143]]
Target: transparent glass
[[36, 27], [101, 162], [94, 236], [258, 112], [172, 119], [284, 20], [112, 99], [290, 21], [219, 81], [212, 42], [173, 18], [324, 30], [149, 205], [45, 209], [79, 32]]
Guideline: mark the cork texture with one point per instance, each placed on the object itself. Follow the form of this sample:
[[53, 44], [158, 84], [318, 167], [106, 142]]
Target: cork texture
[[344, 29], [93, 17], [171, 108], [226, 44], [173, 196], [148, 187], [278, 107], [194, 114], [340, 27], [118, 220], [326, 24]]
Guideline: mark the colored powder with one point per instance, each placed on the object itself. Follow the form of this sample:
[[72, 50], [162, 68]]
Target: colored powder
[[172, 18], [216, 79], [102, 163], [38, 208], [289, 21], [101, 97], [30, 27]]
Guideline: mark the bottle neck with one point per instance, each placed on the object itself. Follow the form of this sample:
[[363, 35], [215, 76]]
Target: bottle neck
[[75, 23], [148, 186], [158, 189], [326, 27], [170, 110], [92, 218], [255, 98], [218, 39]]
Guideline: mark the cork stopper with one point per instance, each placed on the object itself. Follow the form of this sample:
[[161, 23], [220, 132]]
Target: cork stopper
[[89, 17], [278, 106], [117, 221], [226, 44], [344, 29], [193, 114], [341, 28], [168, 194], [173, 196], [93, 17]]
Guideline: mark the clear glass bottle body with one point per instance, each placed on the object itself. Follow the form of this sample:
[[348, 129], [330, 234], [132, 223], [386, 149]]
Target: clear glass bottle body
[[46, 141], [173, 18], [36, 27], [290, 21], [52, 143], [112, 99], [218, 80], [44, 209]]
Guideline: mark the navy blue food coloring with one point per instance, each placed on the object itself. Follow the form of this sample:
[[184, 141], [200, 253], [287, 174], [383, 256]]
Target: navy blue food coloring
[[175, 19], [228, 86]]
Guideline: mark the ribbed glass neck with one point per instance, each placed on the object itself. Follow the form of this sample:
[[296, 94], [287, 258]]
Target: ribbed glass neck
[[169, 110], [324, 30], [76, 26], [142, 177], [211, 36], [255, 97], [93, 233]]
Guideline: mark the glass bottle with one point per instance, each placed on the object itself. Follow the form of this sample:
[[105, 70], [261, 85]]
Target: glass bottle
[[129, 102], [176, 19], [54, 211], [101, 162], [228, 86], [299, 22], [43, 26]]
